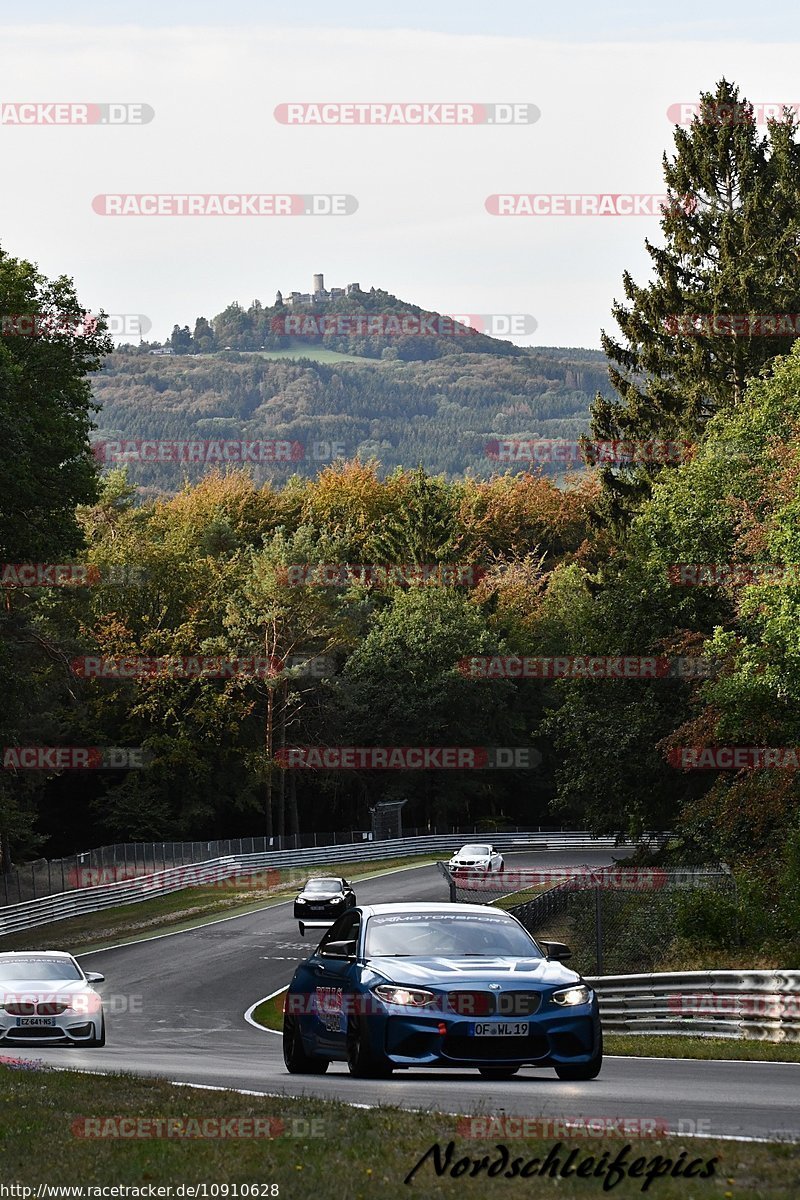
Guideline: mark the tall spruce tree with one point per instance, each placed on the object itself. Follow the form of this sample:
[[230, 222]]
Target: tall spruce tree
[[732, 248]]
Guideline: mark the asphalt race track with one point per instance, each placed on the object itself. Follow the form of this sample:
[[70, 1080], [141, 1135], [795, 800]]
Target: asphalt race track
[[184, 997]]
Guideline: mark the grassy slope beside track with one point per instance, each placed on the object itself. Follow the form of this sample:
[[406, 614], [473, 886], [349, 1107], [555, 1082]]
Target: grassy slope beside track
[[353, 1153], [183, 909]]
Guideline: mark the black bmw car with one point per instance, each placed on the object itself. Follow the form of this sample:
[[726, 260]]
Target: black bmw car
[[322, 900]]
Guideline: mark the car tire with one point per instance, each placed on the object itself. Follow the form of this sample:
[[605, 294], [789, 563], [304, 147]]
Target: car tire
[[361, 1061], [582, 1071], [498, 1072], [294, 1056], [100, 1040]]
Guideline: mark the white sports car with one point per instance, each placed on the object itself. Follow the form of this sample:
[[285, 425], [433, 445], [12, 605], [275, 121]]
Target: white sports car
[[45, 997], [477, 856]]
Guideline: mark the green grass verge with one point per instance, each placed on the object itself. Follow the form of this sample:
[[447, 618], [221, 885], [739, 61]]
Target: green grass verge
[[515, 898], [270, 1012], [665, 1046], [184, 909], [323, 1149]]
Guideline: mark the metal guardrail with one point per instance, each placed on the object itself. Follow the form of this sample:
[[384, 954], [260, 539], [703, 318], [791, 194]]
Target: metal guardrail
[[761, 1005], [126, 860], [15, 918]]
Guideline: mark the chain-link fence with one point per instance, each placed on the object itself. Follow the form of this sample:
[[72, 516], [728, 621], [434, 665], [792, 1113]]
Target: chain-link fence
[[615, 920], [129, 860]]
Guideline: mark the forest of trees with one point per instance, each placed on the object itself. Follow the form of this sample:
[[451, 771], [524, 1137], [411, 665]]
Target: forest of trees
[[444, 413]]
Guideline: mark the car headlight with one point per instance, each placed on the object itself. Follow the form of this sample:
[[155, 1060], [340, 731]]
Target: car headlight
[[301, 900], [579, 994], [408, 997]]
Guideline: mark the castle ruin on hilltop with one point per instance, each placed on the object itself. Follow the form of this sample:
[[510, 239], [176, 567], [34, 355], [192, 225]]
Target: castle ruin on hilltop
[[319, 295]]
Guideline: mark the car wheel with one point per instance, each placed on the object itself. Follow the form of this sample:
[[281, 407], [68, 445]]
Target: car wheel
[[498, 1072], [295, 1057], [578, 1071], [361, 1061], [100, 1040]]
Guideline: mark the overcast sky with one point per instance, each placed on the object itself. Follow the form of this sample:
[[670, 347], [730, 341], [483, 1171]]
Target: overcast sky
[[602, 77]]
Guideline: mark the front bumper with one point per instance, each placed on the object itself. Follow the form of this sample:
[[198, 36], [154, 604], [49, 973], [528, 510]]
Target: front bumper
[[437, 1040], [75, 1030], [329, 912]]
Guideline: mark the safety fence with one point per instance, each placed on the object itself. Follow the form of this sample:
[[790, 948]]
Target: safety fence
[[761, 1005], [230, 870], [128, 860]]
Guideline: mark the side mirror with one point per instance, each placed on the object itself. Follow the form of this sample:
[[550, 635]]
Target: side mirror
[[94, 977], [556, 950], [339, 950]]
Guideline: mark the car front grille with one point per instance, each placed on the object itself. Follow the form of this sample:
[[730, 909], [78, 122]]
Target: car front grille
[[480, 1003], [29, 1008]]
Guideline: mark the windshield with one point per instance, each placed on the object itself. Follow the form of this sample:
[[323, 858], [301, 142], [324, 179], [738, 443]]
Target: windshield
[[476, 851], [43, 969], [453, 935], [323, 885]]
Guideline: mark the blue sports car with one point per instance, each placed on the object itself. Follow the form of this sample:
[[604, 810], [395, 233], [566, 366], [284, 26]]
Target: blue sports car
[[439, 985]]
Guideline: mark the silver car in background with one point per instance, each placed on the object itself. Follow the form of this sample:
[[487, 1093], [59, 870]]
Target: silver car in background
[[477, 856], [46, 998]]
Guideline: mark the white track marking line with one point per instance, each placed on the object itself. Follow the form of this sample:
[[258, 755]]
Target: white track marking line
[[248, 1016]]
